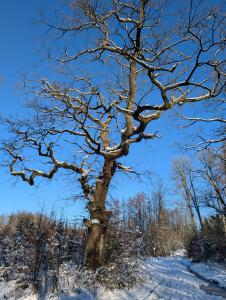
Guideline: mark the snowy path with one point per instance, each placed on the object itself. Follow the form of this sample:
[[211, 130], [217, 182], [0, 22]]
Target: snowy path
[[169, 279]]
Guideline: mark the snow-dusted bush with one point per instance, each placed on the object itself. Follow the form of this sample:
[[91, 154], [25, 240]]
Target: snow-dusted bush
[[73, 277], [33, 247], [123, 273]]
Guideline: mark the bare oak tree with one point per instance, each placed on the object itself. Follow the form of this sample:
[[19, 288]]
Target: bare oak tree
[[142, 58]]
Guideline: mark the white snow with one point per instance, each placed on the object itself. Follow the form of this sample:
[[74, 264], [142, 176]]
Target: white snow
[[95, 221], [166, 278], [179, 252], [169, 279], [211, 271], [10, 291]]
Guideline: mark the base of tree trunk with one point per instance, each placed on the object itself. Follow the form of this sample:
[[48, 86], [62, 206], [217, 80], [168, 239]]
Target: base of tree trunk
[[95, 248]]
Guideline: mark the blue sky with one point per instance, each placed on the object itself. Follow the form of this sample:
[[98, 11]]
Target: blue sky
[[19, 53]]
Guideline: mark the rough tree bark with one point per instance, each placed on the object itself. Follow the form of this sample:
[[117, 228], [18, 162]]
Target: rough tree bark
[[99, 217]]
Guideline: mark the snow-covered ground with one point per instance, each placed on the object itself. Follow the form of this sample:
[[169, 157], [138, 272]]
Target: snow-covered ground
[[11, 291], [211, 271], [168, 278]]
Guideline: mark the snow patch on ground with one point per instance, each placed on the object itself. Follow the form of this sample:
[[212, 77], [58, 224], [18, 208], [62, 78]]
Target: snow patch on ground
[[180, 252]]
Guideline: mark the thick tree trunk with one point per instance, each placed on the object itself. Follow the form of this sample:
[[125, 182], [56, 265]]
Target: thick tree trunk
[[95, 246], [99, 218]]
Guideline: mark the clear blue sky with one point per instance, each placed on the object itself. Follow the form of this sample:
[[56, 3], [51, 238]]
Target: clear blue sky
[[20, 43]]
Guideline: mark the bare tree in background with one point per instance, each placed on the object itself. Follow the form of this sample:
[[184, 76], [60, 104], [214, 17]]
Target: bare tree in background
[[204, 185], [142, 58], [185, 177], [212, 172]]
